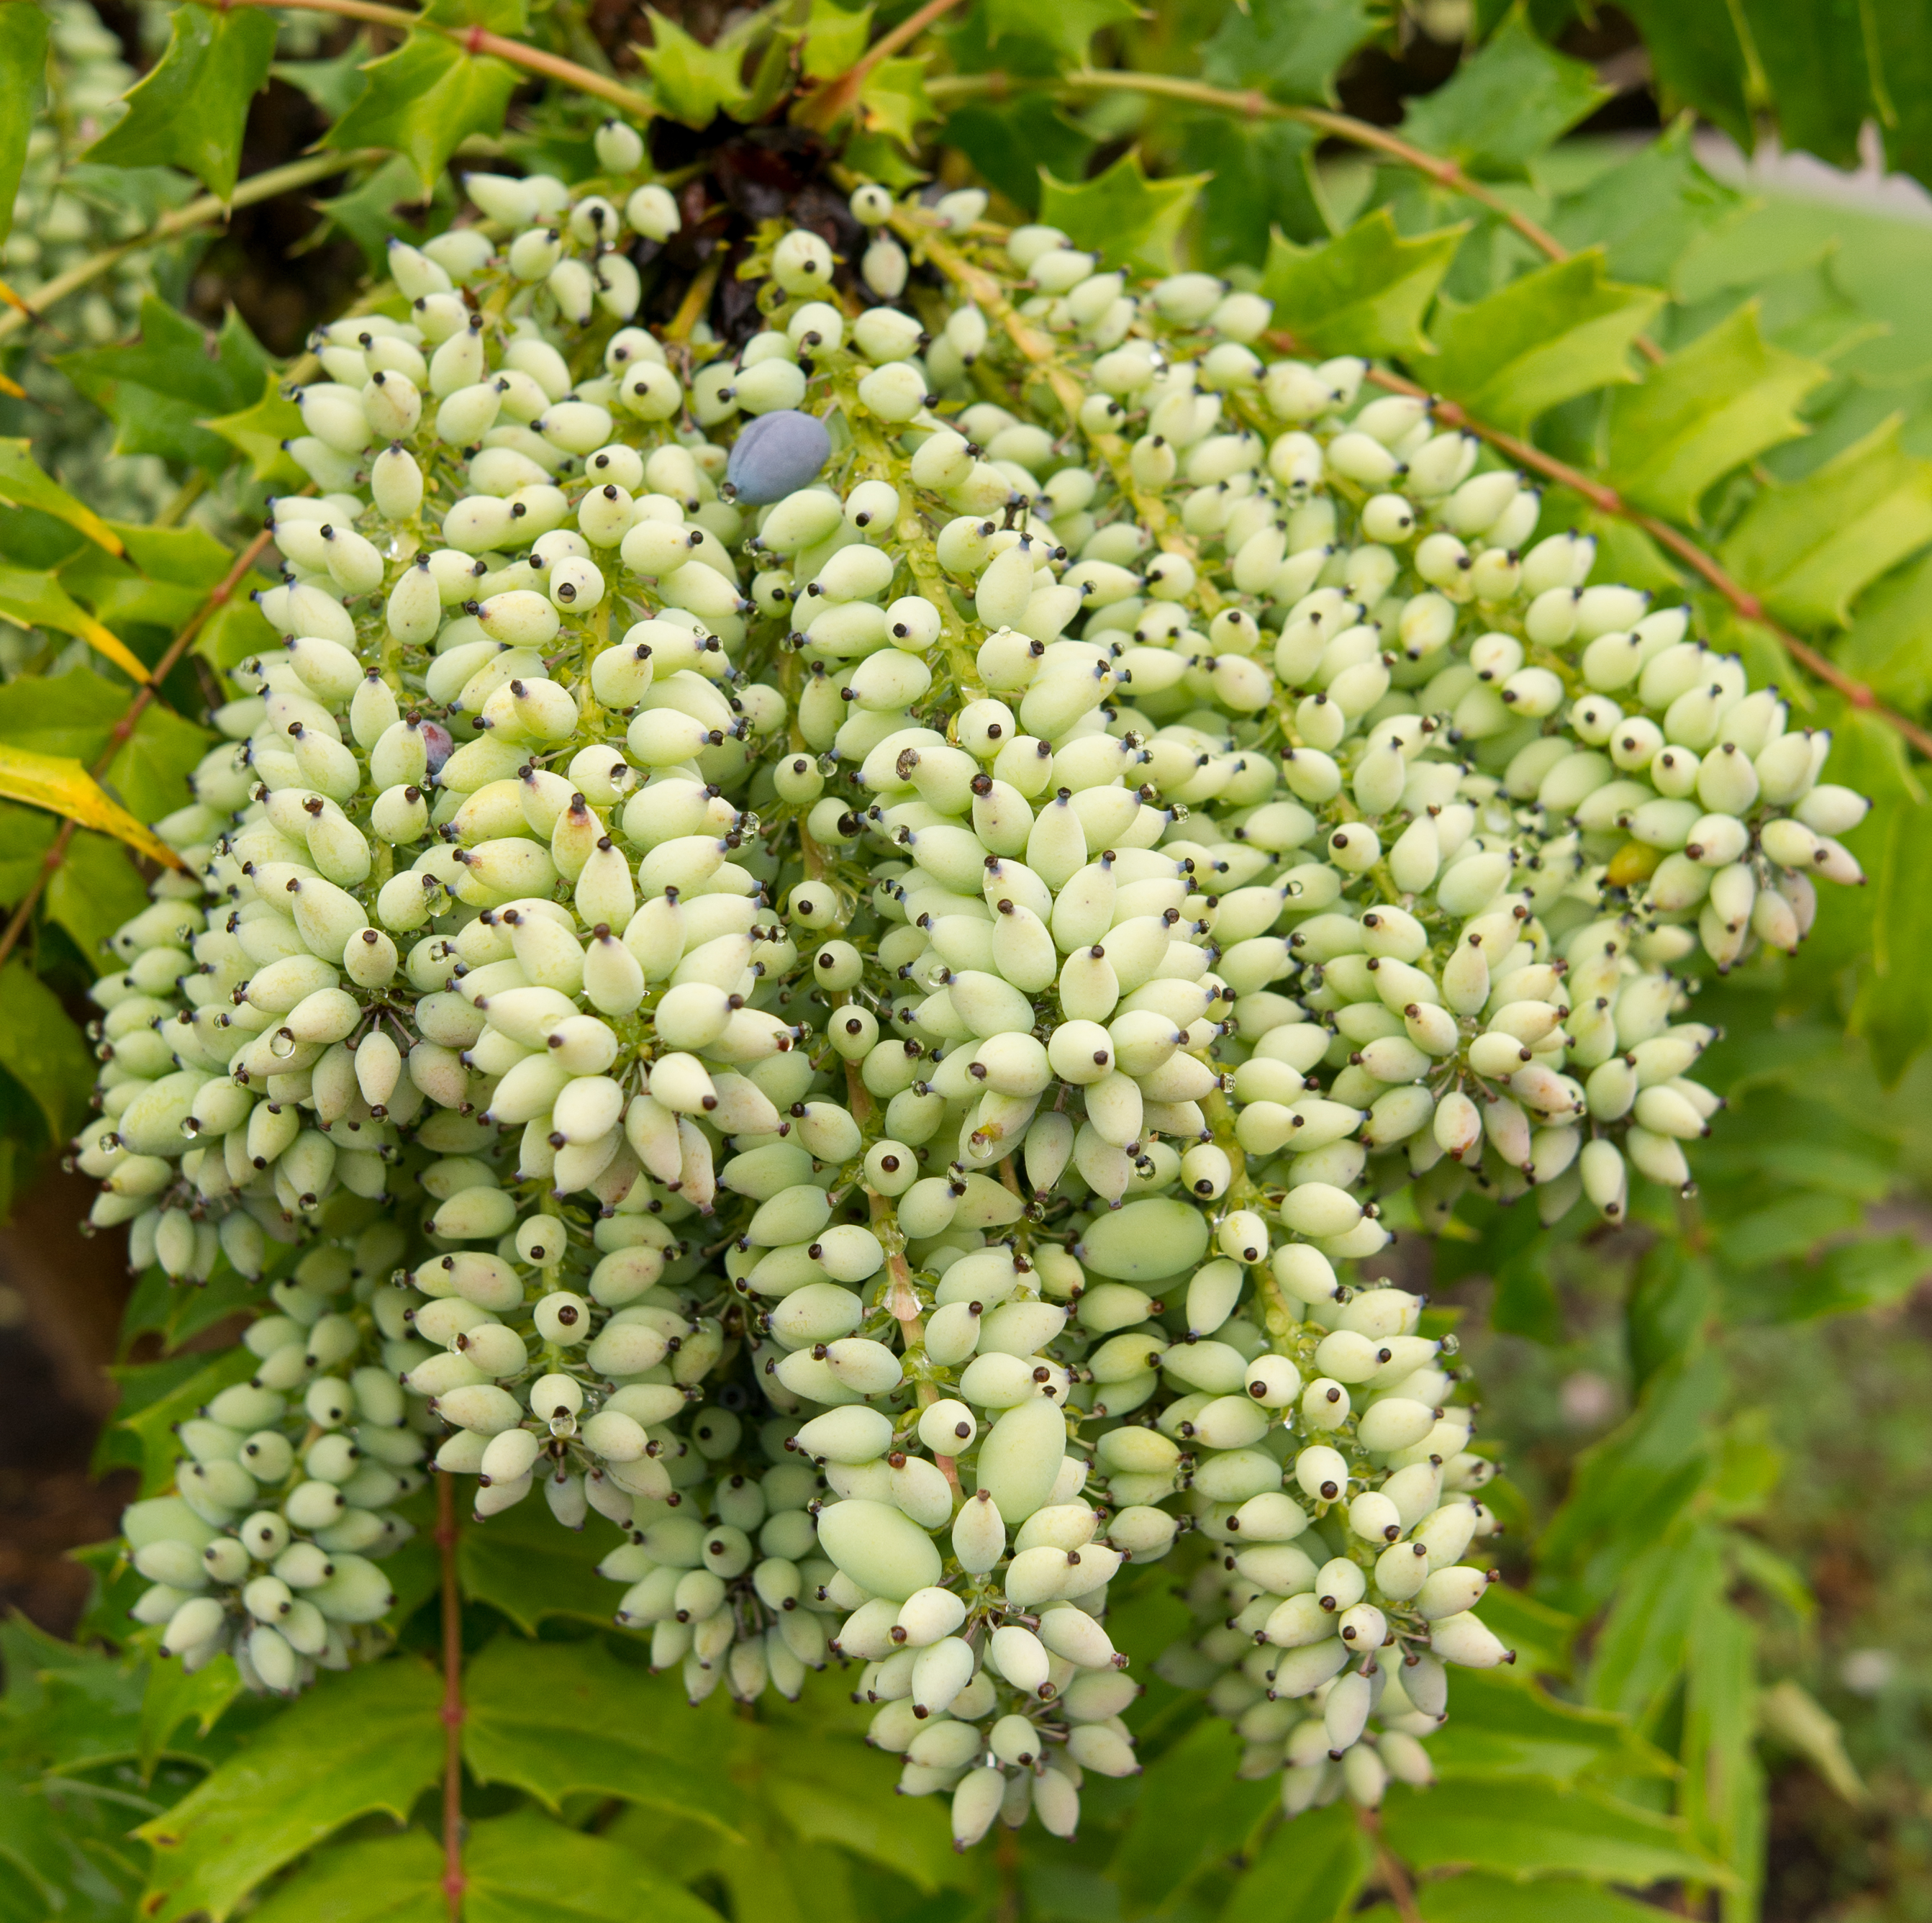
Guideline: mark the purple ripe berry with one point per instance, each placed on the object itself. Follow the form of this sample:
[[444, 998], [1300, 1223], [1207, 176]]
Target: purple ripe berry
[[776, 455], [436, 740]]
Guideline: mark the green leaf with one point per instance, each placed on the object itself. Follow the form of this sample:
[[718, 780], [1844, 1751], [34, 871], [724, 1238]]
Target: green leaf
[[377, 1880], [1648, 211], [173, 1696], [555, 1719], [1309, 1871], [259, 430], [1790, 1715], [1365, 291], [1483, 1899], [1536, 1829], [1707, 410], [1893, 1011], [189, 109], [1639, 1651], [152, 1424], [1814, 58], [520, 1562], [23, 66], [1902, 54], [1504, 1727], [1807, 549], [334, 85], [1506, 103], [1011, 142], [1890, 647], [42, 1051], [1121, 214], [1206, 1814], [424, 101], [23, 485], [1541, 1636], [157, 390], [843, 1793], [1261, 177], [835, 37], [33, 600], [1289, 49], [1698, 62], [1723, 1791], [365, 1741], [894, 100], [1562, 331], [526, 1869], [25, 835], [1670, 1299], [150, 774], [1068, 27], [510, 17], [95, 889], [694, 83]]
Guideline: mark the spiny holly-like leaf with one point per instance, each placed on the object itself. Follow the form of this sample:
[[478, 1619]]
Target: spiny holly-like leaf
[[42, 1050], [23, 62], [424, 101], [1537, 1829], [64, 787], [259, 430], [1563, 330], [1507, 103], [1289, 49], [1648, 211], [1207, 1813], [1261, 177], [23, 485], [375, 1880], [1710, 408], [498, 16], [1364, 291], [366, 1741], [334, 85], [1012, 143], [1699, 60], [32, 599], [1121, 214], [694, 83], [1807, 549], [1890, 647], [1069, 26], [520, 1562], [895, 101], [190, 110], [1308, 1871], [834, 39]]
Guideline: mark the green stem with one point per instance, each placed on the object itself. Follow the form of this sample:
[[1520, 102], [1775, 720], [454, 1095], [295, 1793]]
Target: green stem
[[183, 219]]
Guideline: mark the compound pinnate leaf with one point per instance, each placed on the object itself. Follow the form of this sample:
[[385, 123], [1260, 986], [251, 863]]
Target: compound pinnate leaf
[[1538, 1829], [1121, 215], [1647, 211], [1504, 106], [1308, 1871], [190, 110], [554, 1719], [1289, 49], [1012, 143], [1068, 26], [424, 101], [1261, 176], [23, 62], [1507, 1726], [1712, 406], [521, 1563], [1893, 1011], [1207, 1814], [64, 787], [368, 1740], [259, 430], [378, 1880], [1562, 331], [1640, 1649], [1365, 291], [1806, 551]]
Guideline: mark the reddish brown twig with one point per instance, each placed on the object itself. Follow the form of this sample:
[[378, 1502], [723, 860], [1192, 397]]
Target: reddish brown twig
[[118, 735]]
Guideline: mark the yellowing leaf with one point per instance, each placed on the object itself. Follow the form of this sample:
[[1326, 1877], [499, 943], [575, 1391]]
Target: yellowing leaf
[[60, 784], [1710, 408], [1561, 331], [23, 485], [33, 600], [259, 431], [1365, 291]]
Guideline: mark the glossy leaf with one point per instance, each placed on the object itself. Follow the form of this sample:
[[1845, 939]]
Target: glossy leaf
[[23, 61], [30, 599], [694, 83], [152, 1423], [1504, 1727], [1534, 1829], [1206, 1815], [1807, 549], [1640, 1650], [375, 1880], [499, 16], [1308, 1871], [1506, 103], [63, 785], [1562, 331], [1698, 61], [22, 485], [189, 111], [1711, 407], [522, 1563], [424, 101], [365, 1741], [1289, 49], [1365, 291], [259, 430], [894, 101], [1121, 215], [1261, 177], [1478, 1898], [1814, 58], [1068, 27], [42, 1050], [1012, 143], [1893, 1011], [172, 1699], [556, 1719], [1648, 210]]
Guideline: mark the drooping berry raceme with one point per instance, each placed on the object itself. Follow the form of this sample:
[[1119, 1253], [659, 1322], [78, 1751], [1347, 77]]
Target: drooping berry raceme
[[878, 950]]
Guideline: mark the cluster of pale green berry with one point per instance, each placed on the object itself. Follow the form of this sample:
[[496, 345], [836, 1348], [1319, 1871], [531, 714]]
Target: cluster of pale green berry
[[882, 950]]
